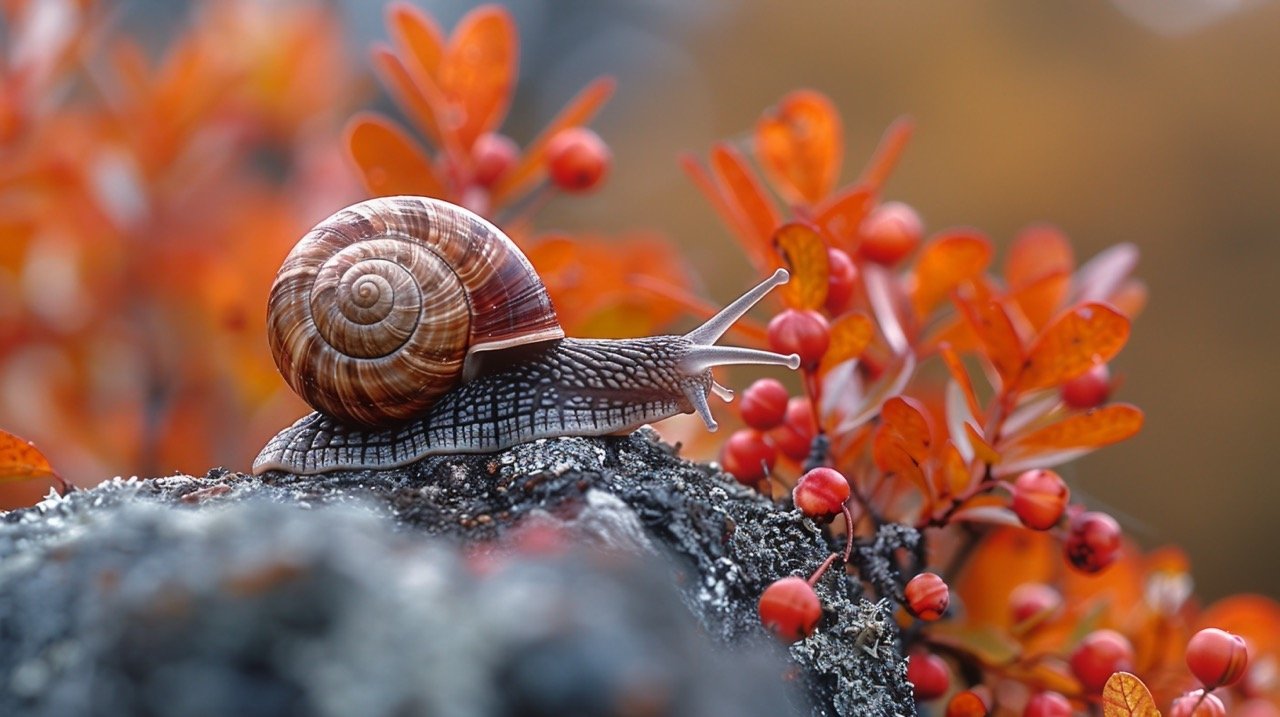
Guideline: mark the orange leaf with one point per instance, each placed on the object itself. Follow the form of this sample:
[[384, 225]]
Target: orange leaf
[[578, 112], [961, 376], [800, 144], [901, 444], [416, 36], [945, 262], [1091, 429], [416, 93], [1039, 300], [478, 70], [745, 193], [390, 162], [841, 216], [952, 476], [20, 460], [999, 339], [907, 417], [892, 457], [1037, 252], [1125, 695], [850, 336], [887, 153], [805, 254], [1004, 559], [1085, 335], [1130, 298], [982, 450]]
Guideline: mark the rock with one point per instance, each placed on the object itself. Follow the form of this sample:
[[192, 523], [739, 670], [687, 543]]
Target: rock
[[570, 576]]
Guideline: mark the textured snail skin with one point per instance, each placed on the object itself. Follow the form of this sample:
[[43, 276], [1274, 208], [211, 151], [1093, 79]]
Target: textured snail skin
[[571, 387], [416, 327]]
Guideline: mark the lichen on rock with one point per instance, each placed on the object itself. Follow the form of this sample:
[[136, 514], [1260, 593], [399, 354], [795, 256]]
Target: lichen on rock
[[410, 591]]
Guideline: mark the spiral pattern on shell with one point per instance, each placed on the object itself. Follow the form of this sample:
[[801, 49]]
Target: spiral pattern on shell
[[375, 310]]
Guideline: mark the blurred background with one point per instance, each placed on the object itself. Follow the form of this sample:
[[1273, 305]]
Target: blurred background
[[1144, 121]]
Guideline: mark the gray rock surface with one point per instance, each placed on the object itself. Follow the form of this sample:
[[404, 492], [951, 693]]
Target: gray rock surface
[[572, 576]]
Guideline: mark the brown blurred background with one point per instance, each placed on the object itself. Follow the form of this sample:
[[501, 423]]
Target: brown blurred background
[[1163, 133], [1147, 121]]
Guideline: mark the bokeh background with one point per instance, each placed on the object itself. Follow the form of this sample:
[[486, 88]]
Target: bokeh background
[[1145, 121]]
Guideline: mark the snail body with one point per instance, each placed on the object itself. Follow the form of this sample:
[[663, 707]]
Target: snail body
[[415, 327]]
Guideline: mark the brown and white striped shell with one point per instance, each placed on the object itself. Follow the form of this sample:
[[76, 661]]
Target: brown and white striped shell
[[375, 310]]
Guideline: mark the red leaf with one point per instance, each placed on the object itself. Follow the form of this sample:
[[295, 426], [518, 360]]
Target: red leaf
[[1085, 335], [415, 91], [800, 144]]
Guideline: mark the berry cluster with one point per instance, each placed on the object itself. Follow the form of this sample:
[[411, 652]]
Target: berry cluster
[[942, 396]]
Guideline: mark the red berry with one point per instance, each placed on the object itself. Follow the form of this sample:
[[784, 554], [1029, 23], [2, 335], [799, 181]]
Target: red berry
[[1197, 704], [927, 596], [970, 703], [1094, 541], [764, 404], [889, 233], [1088, 390], [577, 159], [928, 675], [1047, 704], [1101, 654], [842, 275], [1039, 498], [1033, 604], [789, 608], [492, 156], [821, 492], [795, 436], [803, 332], [748, 455], [1217, 657]]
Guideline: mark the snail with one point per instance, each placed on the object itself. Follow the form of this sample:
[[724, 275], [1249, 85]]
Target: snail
[[415, 327]]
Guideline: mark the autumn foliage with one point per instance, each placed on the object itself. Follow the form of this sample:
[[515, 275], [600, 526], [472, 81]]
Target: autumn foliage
[[146, 199]]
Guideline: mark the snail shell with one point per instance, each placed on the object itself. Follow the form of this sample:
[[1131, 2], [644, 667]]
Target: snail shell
[[382, 307]]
